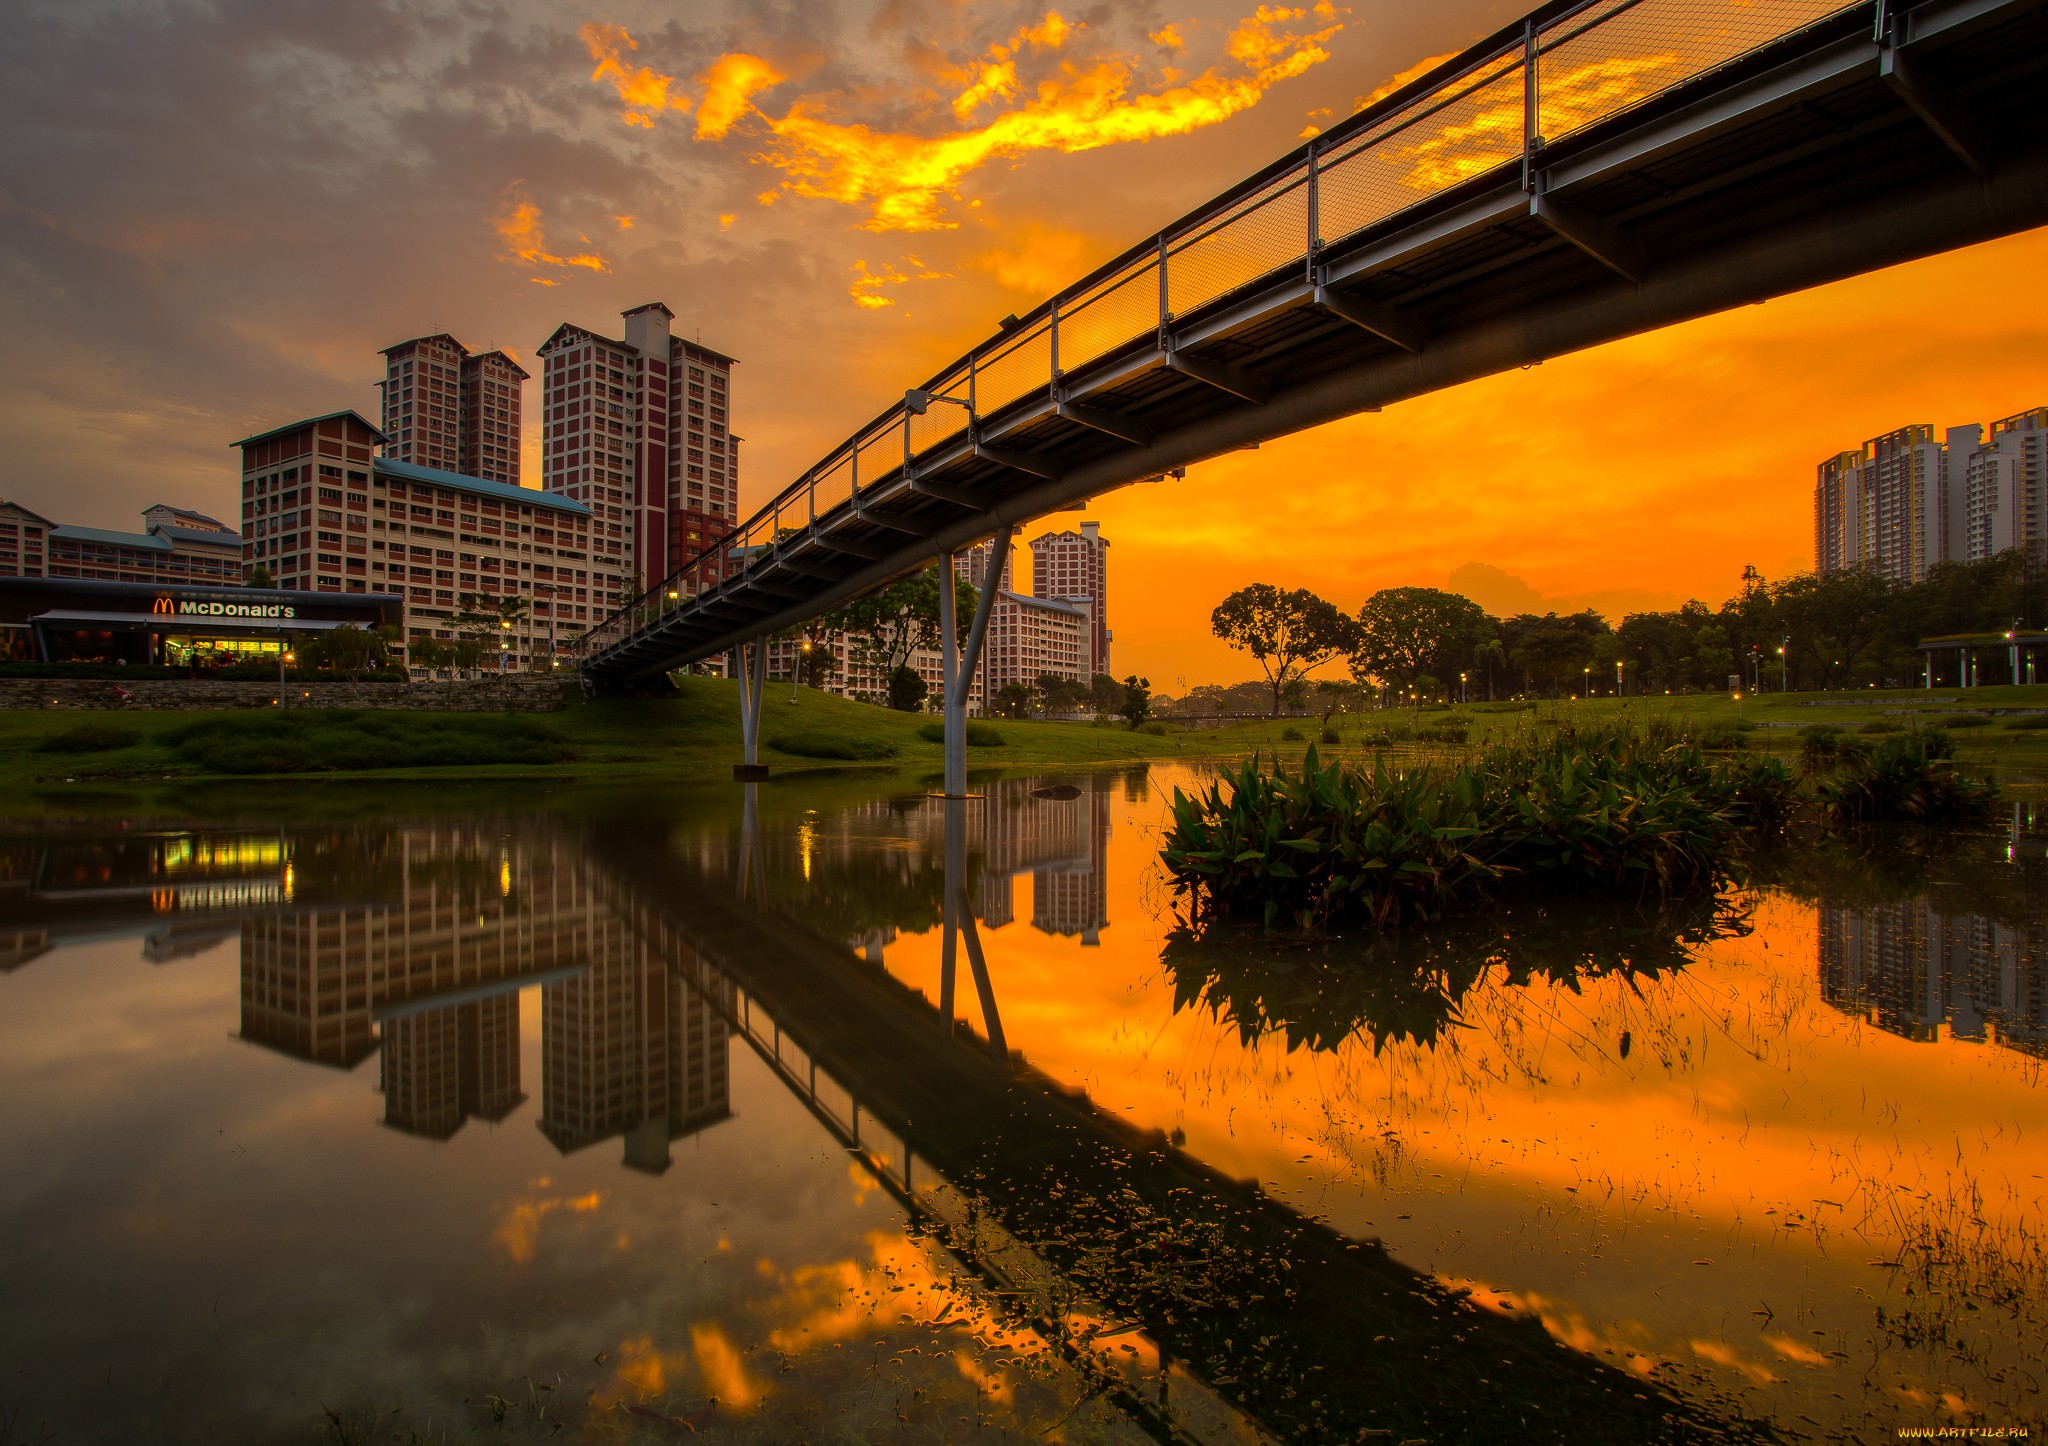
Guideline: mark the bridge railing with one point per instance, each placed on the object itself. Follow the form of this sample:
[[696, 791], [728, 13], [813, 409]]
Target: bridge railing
[[1569, 65]]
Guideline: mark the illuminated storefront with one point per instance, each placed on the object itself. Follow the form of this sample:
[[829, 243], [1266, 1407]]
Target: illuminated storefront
[[61, 620]]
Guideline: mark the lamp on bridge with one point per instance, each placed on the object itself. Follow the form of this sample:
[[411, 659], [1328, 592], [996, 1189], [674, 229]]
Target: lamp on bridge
[[917, 401]]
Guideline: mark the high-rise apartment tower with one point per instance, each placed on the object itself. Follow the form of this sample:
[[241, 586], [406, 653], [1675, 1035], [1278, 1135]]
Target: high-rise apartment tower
[[638, 429], [453, 411]]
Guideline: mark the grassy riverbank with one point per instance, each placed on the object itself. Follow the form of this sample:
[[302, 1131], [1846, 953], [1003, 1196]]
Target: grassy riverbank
[[694, 737]]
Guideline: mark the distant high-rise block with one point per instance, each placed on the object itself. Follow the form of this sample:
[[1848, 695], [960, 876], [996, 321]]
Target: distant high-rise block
[[1073, 567], [453, 411], [1894, 506]]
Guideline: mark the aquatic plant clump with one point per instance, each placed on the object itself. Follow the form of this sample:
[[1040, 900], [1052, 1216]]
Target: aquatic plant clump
[[1634, 813], [1909, 777]]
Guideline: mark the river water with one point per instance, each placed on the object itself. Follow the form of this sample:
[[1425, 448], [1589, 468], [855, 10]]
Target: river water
[[826, 1111]]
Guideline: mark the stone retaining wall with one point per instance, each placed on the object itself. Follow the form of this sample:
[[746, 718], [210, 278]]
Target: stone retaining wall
[[492, 695]]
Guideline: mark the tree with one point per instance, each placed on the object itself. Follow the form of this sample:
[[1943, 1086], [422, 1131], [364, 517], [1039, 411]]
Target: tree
[[1836, 619], [1137, 703], [1105, 694], [1013, 700], [429, 653], [1061, 695], [486, 621], [890, 624], [1553, 651], [1288, 633], [907, 690], [259, 576], [1404, 632], [1334, 696], [1712, 658], [347, 650]]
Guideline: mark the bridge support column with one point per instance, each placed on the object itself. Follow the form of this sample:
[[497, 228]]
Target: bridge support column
[[753, 668], [960, 927], [958, 664]]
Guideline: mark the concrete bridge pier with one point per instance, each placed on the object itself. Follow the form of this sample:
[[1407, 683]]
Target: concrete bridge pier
[[752, 665], [958, 665]]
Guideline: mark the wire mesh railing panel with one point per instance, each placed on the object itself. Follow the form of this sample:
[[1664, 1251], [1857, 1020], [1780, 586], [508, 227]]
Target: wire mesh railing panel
[[880, 453], [835, 483], [942, 420], [1474, 129], [1262, 237], [1619, 54], [1024, 368], [1126, 307]]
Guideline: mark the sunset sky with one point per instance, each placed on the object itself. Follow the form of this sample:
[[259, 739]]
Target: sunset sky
[[213, 215]]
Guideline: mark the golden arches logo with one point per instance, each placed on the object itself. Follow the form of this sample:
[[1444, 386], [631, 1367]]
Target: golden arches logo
[[162, 606]]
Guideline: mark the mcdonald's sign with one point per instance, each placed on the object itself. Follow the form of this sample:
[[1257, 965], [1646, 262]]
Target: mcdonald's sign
[[162, 605]]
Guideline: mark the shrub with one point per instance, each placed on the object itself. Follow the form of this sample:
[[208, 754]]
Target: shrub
[[836, 746], [89, 738], [1822, 745], [2037, 720], [1329, 735], [979, 735], [349, 740], [1879, 725], [1966, 720], [1156, 728], [1442, 733], [1909, 777], [1290, 735]]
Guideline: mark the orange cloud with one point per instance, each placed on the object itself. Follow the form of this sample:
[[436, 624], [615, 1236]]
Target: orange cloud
[[996, 76], [866, 289], [518, 226], [729, 90], [1168, 37], [1044, 260], [904, 178], [642, 90]]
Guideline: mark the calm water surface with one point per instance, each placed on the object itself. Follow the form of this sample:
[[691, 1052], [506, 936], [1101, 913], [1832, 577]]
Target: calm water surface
[[811, 1112]]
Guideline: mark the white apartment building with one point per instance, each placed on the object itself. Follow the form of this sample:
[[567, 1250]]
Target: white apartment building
[[1073, 567], [2004, 483], [1027, 636]]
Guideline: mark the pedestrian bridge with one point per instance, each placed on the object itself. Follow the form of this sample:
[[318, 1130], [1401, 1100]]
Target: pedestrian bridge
[[1598, 169]]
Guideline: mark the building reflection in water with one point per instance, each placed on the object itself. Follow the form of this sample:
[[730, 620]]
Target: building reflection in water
[[1919, 973], [412, 944]]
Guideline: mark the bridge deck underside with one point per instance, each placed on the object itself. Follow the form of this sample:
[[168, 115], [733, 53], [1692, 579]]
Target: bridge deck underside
[[1797, 166]]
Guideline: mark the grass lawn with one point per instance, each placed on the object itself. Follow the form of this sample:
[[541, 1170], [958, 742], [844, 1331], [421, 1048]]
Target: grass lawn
[[693, 737]]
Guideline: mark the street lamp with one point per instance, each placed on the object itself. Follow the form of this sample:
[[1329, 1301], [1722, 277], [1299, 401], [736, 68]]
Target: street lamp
[[1461, 688], [1588, 686], [504, 644], [1617, 677], [1784, 666], [797, 669]]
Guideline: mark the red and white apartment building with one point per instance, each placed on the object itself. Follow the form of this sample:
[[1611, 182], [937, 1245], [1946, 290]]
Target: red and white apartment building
[[639, 431], [448, 409], [321, 512]]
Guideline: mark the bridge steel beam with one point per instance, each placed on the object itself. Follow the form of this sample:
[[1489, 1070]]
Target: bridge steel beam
[[1848, 241], [1412, 338]]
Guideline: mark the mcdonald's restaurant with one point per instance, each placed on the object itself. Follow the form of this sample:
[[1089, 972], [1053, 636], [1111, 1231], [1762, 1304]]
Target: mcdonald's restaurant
[[66, 620]]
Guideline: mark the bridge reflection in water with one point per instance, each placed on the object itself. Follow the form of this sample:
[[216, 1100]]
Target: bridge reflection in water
[[1202, 1306]]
